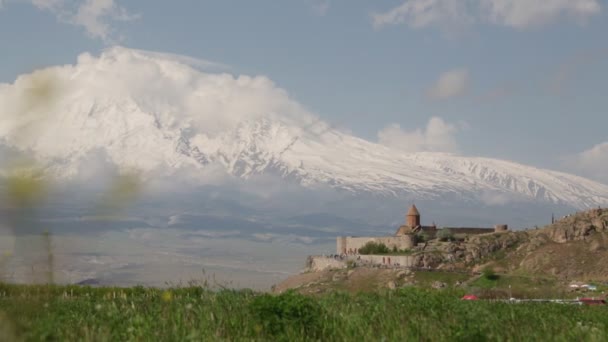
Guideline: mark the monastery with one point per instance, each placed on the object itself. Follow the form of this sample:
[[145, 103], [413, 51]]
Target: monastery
[[406, 236]]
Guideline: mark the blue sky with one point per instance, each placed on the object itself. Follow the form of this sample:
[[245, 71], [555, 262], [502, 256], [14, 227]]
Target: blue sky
[[524, 80]]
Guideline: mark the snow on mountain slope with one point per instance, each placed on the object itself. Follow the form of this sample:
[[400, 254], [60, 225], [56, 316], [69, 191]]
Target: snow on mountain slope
[[155, 114], [346, 162]]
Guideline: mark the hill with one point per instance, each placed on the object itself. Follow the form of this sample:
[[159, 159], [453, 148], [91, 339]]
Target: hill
[[542, 260]]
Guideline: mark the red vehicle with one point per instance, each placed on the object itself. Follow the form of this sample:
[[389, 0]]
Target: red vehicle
[[470, 297]]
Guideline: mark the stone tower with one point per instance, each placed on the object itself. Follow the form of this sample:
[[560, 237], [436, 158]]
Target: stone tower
[[413, 217]]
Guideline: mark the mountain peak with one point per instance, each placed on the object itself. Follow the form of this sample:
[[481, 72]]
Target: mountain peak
[[152, 111]]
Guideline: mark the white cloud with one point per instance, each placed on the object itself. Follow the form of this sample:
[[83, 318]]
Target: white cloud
[[437, 137], [422, 13], [48, 4], [95, 16], [126, 91], [592, 163], [497, 198], [197, 63], [450, 84], [520, 14]]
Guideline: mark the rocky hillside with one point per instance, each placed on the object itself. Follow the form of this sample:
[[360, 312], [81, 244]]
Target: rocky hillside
[[573, 248]]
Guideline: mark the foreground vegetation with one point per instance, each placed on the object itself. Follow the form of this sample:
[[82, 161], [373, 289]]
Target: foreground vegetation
[[194, 313]]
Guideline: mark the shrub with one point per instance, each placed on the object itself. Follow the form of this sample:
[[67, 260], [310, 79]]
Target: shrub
[[445, 235], [422, 237], [374, 248], [288, 314], [488, 273]]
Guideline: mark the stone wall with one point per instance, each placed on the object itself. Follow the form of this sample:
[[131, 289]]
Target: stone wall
[[501, 228], [351, 245], [470, 231], [430, 231], [401, 242], [316, 263], [401, 260], [341, 245]]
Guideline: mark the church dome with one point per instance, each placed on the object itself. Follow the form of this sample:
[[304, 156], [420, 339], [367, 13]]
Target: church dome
[[413, 211]]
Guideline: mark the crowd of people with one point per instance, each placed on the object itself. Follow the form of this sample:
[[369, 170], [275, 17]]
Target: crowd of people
[[386, 260]]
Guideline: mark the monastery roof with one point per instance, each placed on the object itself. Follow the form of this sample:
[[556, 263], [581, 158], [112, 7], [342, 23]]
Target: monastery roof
[[413, 211], [404, 230]]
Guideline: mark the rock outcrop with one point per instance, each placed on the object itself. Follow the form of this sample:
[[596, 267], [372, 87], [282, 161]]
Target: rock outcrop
[[428, 260], [579, 226]]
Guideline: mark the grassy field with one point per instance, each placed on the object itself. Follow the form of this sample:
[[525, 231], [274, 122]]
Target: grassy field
[[55, 313], [426, 278]]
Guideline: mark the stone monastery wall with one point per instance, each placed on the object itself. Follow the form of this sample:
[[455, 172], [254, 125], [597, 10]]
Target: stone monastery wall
[[470, 231], [317, 263], [401, 260], [351, 245]]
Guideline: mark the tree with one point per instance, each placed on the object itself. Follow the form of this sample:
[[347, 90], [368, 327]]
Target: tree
[[374, 248], [445, 234]]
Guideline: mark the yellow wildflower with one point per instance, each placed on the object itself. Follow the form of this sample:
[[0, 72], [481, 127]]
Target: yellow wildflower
[[167, 296]]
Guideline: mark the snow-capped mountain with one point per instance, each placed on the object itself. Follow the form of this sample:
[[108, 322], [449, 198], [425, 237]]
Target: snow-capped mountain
[[157, 115]]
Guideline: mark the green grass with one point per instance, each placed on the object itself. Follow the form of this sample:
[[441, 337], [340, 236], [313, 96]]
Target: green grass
[[426, 278], [505, 286], [41, 313]]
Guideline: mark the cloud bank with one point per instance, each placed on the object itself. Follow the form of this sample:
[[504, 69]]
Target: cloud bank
[[438, 136], [518, 14], [138, 107]]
